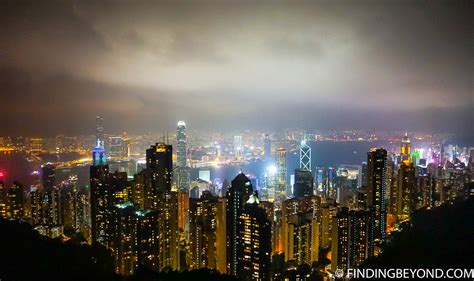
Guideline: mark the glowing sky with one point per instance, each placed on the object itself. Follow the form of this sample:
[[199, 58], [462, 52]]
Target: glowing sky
[[235, 65]]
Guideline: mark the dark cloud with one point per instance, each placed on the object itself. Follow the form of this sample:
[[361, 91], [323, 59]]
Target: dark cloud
[[226, 65]]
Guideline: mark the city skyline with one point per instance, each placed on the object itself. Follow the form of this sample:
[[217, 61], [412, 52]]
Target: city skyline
[[242, 65]]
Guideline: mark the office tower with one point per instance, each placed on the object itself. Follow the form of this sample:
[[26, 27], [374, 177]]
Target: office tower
[[253, 242], [305, 156], [267, 147], [36, 206], [331, 187], [376, 187], [3, 200], [304, 182], [237, 195], [182, 178], [51, 204], [101, 202], [221, 241], [351, 241], [122, 238], [301, 218], [281, 167], [238, 147], [159, 164], [203, 231], [406, 190], [405, 150], [181, 152], [146, 240], [121, 188], [15, 199], [361, 198], [100, 139]]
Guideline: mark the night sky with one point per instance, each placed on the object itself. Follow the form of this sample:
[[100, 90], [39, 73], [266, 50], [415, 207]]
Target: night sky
[[228, 65]]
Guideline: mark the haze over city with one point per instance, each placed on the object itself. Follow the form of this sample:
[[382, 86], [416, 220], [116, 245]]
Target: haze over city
[[143, 65]]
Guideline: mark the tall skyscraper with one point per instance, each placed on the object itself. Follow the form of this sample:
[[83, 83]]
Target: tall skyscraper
[[405, 147], [267, 147], [238, 147], [406, 190], [304, 182], [203, 225], [101, 202], [15, 198], [100, 138], [253, 242], [181, 153], [51, 204], [122, 238], [3, 200], [305, 156], [281, 170], [237, 195], [376, 188], [159, 164]]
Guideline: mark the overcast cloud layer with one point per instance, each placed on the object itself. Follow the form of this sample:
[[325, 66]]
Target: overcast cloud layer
[[235, 65]]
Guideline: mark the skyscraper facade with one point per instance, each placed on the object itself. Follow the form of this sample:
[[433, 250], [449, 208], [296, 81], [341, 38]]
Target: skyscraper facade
[[376, 188], [181, 153], [305, 156]]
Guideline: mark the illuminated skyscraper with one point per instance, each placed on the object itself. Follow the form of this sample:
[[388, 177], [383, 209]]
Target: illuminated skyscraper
[[376, 188], [406, 190], [253, 242], [51, 204], [100, 138], [301, 218], [36, 206], [305, 156], [3, 200], [405, 147], [101, 202], [15, 199], [238, 147], [203, 231], [304, 182], [147, 245], [267, 147], [351, 241], [159, 164], [116, 147], [237, 195], [122, 238], [281, 169], [181, 153], [168, 231]]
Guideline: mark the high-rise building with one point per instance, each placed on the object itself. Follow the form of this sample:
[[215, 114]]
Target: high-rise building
[[237, 195], [36, 206], [351, 238], [123, 237], [159, 164], [101, 203], [3, 200], [253, 244], [15, 199], [116, 147], [51, 204], [301, 219], [405, 150], [168, 231], [238, 147], [181, 152], [376, 188], [281, 174], [68, 202], [267, 147], [146, 240], [304, 183], [203, 231], [305, 156], [406, 190], [100, 138]]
